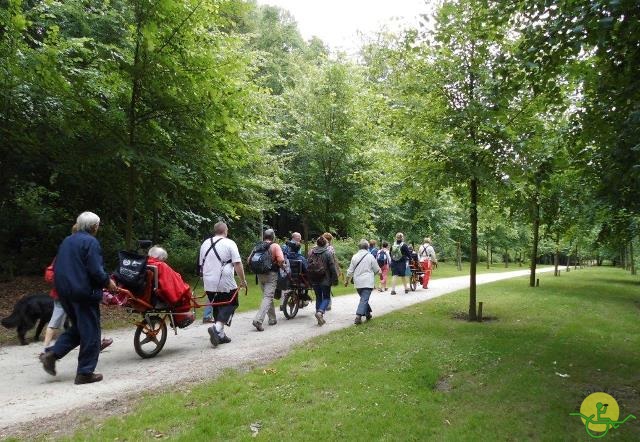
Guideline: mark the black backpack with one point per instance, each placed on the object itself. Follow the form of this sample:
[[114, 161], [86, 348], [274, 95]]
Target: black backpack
[[316, 267], [260, 260], [131, 271], [382, 258]]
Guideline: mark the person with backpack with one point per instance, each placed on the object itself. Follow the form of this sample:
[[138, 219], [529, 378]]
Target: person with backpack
[[265, 261], [363, 269], [219, 261], [373, 249], [322, 273], [383, 259], [400, 255], [427, 257], [329, 237]]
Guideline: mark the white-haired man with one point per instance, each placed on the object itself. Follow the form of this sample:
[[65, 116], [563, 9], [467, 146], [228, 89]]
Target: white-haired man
[[79, 280], [219, 258]]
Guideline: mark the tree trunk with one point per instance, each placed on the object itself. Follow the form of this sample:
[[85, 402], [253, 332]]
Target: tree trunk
[[556, 256], [305, 234], [136, 88], [458, 256], [488, 251], [575, 261], [473, 209], [506, 258], [633, 261], [534, 247]]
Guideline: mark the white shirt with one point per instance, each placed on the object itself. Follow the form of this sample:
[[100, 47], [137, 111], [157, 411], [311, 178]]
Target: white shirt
[[363, 275], [425, 252], [216, 276]]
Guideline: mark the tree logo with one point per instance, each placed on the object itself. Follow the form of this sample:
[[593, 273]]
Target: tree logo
[[599, 413]]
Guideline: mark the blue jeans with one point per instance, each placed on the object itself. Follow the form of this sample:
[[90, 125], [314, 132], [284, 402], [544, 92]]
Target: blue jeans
[[84, 331], [363, 307], [208, 312], [323, 297]]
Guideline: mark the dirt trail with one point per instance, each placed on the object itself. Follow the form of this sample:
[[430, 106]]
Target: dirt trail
[[27, 393]]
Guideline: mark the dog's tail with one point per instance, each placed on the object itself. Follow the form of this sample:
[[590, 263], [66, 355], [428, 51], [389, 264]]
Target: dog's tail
[[11, 320]]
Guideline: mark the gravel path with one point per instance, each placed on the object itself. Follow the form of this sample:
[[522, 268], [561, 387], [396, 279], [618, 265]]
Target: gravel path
[[27, 393]]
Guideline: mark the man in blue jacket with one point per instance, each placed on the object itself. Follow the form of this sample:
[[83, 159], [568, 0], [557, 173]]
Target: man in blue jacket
[[79, 280]]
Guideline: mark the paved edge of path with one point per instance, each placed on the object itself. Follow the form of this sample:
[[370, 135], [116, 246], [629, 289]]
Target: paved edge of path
[[27, 393]]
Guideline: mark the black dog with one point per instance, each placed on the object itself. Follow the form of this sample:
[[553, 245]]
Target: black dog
[[27, 312]]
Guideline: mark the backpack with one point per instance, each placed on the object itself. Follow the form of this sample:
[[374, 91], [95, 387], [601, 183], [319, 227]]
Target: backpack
[[131, 271], [396, 251], [316, 267], [260, 261], [382, 258]]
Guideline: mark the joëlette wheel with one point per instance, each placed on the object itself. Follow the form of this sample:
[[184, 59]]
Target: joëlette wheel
[[290, 303], [150, 337]]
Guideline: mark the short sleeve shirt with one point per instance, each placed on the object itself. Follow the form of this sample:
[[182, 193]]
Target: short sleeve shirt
[[218, 274]]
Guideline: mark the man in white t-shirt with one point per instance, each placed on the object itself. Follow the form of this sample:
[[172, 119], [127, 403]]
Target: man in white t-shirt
[[426, 256], [220, 259]]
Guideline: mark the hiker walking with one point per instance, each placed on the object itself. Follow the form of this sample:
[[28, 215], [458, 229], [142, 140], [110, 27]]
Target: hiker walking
[[322, 272], [220, 260], [79, 278], [427, 257], [265, 261], [383, 258], [363, 268], [400, 255]]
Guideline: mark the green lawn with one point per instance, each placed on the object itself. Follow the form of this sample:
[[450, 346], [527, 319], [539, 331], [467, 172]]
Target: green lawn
[[418, 374]]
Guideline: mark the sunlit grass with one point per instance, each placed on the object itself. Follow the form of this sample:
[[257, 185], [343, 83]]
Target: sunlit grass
[[418, 374]]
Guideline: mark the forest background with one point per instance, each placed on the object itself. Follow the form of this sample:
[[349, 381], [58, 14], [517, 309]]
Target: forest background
[[508, 132]]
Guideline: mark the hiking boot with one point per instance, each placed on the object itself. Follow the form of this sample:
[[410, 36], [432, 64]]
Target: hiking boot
[[48, 360], [213, 336], [258, 325], [87, 378], [273, 321], [320, 318], [105, 343], [225, 339], [358, 320], [393, 292]]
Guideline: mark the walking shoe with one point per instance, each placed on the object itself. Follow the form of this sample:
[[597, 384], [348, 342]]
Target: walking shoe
[[358, 320], [208, 320], [320, 318], [406, 291], [225, 339], [258, 325], [273, 321], [105, 343], [393, 292], [48, 360], [386, 288], [213, 336], [87, 378], [369, 317]]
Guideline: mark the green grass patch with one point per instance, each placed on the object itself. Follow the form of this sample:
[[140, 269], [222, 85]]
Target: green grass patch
[[418, 374]]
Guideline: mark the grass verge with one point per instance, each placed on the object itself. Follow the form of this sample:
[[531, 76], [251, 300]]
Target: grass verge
[[418, 374]]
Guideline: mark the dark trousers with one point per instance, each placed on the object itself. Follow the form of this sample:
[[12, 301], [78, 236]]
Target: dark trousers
[[84, 331]]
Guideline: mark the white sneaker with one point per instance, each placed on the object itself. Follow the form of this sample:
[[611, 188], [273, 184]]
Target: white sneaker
[[320, 318]]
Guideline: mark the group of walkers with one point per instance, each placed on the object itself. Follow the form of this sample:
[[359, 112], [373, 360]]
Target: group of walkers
[[80, 279]]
